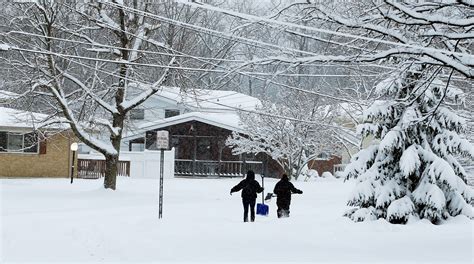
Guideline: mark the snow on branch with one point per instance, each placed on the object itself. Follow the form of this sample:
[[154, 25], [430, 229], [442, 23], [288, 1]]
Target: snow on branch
[[152, 89], [452, 21], [88, 91], [4, 47]]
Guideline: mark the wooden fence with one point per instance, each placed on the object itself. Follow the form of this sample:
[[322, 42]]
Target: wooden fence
[[95, 169]]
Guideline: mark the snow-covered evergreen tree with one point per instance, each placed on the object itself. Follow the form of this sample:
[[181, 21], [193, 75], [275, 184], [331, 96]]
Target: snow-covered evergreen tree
[[413, 169]]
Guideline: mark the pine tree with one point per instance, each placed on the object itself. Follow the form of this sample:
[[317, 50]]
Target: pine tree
[[413, 169]]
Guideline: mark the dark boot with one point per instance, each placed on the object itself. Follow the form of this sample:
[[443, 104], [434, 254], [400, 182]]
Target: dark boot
[[279, 214]]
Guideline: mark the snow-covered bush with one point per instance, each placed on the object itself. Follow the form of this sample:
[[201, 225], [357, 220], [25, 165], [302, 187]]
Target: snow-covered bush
[[361, 214], [327, 175], [312, 174], [413, 170]]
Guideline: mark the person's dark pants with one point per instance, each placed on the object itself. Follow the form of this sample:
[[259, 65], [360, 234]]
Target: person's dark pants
[[249, 203], [283, 208]]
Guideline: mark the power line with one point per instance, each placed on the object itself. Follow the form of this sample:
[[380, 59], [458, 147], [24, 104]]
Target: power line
[[182, 54], [185, 68], [208, 100]]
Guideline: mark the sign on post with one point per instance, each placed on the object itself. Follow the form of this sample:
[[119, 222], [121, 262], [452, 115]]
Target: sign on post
[[162, 139], [162, 144]]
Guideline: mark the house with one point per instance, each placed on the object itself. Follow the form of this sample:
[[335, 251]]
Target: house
[[198, 122], [26, 151], [324, 162], [198, 139]]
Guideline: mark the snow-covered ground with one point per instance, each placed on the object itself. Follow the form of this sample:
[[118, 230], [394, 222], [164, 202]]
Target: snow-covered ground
[[50, 220]]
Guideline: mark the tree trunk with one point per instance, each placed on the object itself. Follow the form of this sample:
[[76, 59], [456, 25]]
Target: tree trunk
[[111, 161], [111, 165]]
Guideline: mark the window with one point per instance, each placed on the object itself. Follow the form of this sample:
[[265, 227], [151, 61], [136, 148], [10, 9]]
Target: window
[[137, 146], [137, 114], [171, 112], [17, 142]]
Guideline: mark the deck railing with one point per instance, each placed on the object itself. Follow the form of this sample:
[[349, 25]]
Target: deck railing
[[95, 169], [214, 168]]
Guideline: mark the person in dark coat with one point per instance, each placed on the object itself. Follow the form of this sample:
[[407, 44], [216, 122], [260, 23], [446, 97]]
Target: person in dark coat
[[250, 187], [283, 189]]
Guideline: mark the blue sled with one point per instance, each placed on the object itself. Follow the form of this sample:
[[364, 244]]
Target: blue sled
[[262, 209]]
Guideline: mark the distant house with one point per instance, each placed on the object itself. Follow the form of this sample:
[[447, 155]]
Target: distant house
[[26, 151], [325, 163]]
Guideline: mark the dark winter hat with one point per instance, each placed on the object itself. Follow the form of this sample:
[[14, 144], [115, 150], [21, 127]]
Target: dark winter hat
[[250, 175], [284, 177]]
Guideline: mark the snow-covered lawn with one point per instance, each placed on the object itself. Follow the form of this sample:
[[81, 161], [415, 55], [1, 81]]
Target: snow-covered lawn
[[46, 220]]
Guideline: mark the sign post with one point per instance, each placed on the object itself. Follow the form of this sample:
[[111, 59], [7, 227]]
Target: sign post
[[162, 144]]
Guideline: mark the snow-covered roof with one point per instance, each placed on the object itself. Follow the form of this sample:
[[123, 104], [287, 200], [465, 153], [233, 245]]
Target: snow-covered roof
[[202, 99], [14, 118], [230, 121], [212, 99]]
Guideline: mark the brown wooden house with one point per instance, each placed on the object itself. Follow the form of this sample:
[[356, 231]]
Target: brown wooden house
[[200, 151]]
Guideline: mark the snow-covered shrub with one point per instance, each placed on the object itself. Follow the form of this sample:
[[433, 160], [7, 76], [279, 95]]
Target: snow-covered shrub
[[361, 214], [327, 175], [312, 173], [414, 170], [339, 174]]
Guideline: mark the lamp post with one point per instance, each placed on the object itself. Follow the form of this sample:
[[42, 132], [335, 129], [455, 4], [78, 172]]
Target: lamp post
[[74, 148]]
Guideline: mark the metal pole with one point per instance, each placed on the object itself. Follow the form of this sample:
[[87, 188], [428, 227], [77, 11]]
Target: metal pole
[[162, 160], [72, 166]]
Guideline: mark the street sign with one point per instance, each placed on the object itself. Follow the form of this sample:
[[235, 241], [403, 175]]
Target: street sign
[[162, 139]]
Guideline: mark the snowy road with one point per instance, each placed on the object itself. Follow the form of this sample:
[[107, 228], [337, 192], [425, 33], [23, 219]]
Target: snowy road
[[52, 221]]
